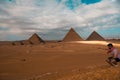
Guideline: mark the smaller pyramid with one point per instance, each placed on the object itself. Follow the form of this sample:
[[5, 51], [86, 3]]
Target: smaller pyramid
[[35, 39], [72, 36], [95, 36]]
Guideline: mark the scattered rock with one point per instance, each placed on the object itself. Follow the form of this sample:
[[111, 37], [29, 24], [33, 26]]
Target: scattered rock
[[23, 59]]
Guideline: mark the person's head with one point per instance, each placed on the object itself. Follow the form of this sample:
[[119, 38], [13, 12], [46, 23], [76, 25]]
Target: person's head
[[110, 45]]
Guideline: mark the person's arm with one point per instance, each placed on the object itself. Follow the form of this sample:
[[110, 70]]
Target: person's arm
[[109, 51], [115, 53]]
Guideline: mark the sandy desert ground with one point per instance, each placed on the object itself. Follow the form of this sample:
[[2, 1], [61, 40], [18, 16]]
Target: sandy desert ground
[[54, 61]]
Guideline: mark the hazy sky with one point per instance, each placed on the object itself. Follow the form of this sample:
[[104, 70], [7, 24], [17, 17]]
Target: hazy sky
[[51, 19]]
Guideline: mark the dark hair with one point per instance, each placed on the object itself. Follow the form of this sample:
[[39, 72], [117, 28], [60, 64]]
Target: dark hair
[[110, 45]]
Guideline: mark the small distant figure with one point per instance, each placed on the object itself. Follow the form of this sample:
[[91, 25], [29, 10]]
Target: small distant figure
[[114, 55]]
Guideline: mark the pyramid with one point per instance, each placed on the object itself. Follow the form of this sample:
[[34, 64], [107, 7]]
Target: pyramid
[[34, 39], [72, 36], [95, 36]]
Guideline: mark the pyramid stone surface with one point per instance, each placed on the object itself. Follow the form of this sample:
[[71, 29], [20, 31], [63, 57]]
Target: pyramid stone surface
[[95, 36], [72, 36], [34, 39]]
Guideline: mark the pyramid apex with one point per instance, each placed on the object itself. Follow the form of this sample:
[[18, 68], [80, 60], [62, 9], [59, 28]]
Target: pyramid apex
[[35, 34], [94, 32], [71, 28]]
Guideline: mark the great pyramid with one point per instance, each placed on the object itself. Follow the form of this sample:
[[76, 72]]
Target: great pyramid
[[95, 36], [34, 39], [72, 36]]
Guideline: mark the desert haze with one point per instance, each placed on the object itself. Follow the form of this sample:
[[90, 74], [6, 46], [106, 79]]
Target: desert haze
[[56, 61]]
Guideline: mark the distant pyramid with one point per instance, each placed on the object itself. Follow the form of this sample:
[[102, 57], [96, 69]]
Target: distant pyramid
[[34, 39], [72, 36], [95, 36]]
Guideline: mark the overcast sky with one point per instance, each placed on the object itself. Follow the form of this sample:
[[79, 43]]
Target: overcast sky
[[51, 19]]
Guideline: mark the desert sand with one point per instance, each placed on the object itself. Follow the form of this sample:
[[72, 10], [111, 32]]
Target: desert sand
[[52, 61]]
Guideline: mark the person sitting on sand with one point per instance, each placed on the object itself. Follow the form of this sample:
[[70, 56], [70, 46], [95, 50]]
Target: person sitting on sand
[[114, 55]]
